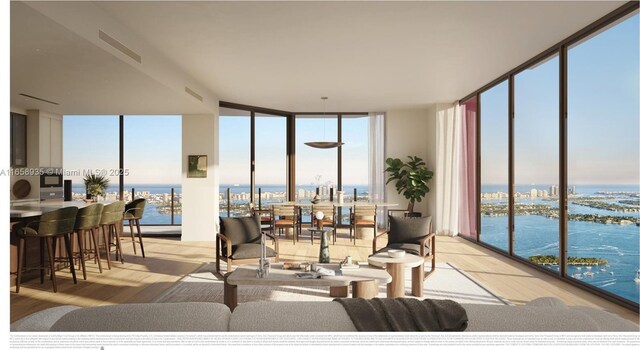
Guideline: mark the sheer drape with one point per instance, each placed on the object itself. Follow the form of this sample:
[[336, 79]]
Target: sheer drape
[[376, 163], [467, 202], [447, 169]]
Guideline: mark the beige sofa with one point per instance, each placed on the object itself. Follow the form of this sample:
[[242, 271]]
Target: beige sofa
[[540, 315]]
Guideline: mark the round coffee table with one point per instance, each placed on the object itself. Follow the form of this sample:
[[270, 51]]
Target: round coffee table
[[395, 267]]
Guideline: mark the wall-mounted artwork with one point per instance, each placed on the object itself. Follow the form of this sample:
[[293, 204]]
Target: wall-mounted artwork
[[197, 166]]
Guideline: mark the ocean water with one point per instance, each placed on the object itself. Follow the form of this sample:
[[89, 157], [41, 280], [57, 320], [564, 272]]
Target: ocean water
[[538, 235]]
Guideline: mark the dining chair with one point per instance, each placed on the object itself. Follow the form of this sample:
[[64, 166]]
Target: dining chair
[[329, 211], [88, 222], [283, 217], [265, 217], [362, 216], [50, 227], [133, 212], [111, 224]]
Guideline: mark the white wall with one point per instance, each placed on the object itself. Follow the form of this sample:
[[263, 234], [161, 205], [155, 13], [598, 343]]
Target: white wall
[[200, 195], [412, 132]]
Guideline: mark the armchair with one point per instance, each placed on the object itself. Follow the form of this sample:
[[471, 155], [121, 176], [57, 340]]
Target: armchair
[[239, 242], [413, 235]]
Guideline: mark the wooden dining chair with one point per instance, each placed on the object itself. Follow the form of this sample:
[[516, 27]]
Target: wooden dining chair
[[284, 217], [362, 216], [329, 211]]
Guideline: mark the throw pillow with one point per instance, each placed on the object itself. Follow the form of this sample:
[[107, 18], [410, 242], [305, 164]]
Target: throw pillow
[[241, 230], [408, 230]]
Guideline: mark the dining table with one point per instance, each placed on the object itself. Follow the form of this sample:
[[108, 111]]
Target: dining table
[[367, 233]]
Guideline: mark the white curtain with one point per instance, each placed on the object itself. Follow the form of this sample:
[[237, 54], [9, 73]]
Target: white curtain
[[448, 141], [376, 163]]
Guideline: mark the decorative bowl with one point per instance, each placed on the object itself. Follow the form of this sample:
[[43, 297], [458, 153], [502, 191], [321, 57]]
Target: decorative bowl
[[396, 253]]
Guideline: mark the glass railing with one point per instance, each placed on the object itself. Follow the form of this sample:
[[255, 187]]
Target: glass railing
[[164, 204]]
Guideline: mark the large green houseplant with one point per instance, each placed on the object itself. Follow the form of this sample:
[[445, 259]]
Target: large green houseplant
[[411, 179], [96, 185]]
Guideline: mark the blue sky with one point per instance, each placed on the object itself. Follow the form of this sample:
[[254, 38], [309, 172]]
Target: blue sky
[[153, 147], [603, 130], [603, 119], [310, 162]]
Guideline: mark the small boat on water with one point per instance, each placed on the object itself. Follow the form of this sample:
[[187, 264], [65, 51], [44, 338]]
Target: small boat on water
[[588, 267], [577, 276], [579, 268], [637, 279], [603, 270], [588, 274], [611, 273]]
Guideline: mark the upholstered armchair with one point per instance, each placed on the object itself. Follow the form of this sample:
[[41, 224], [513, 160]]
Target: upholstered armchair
[[413, 235], [239, 242]]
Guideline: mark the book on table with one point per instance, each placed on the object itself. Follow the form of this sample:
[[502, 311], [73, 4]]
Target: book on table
[[318, 273]]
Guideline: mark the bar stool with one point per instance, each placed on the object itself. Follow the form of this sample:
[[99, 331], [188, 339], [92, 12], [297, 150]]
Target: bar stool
[[133, 212], [88, 221], [111, 224], [50, 227]]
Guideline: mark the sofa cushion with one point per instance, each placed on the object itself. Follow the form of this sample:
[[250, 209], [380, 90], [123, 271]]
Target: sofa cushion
[[248, 251], [159, 317], [290, 316], [408, 230], [241, 230], [498, 318], [41, 321]]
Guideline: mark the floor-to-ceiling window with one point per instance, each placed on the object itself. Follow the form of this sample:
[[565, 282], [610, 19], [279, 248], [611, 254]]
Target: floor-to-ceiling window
[[270, 159], [152, 153], [100, 158], [575, 172], [235, 162], [603, 150], [316, 168], [536, 163], [153, 165], [355, 160], [494, 177]]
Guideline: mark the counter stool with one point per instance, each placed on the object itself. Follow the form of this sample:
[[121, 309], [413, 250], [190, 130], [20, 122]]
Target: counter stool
[[88, 221], [50, 227], [111, 224], [133, 212]]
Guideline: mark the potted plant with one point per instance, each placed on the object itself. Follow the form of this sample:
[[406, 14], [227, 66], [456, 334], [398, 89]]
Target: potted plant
[[411, 179], [96, 185]]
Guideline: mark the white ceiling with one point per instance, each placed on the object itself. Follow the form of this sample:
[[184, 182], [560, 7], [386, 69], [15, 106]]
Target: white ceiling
[[366, 56]]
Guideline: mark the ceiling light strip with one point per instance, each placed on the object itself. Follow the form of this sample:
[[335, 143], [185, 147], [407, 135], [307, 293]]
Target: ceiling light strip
[[193, 93], [119, 46], [40, 99]]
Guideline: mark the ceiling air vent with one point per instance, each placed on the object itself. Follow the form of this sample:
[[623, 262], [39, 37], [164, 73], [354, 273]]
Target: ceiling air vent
[[119, 46], [40, 99], [193, 93]]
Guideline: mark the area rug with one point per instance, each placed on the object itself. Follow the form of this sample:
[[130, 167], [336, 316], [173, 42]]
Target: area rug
[[447, 282]]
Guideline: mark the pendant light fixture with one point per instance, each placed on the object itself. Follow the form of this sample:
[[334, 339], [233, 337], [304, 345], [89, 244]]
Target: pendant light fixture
[[324, 144]]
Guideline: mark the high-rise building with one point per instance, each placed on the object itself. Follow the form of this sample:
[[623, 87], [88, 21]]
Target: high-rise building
[[534, 193]]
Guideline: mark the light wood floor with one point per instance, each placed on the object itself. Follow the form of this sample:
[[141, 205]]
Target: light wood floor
[[142, 280]]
